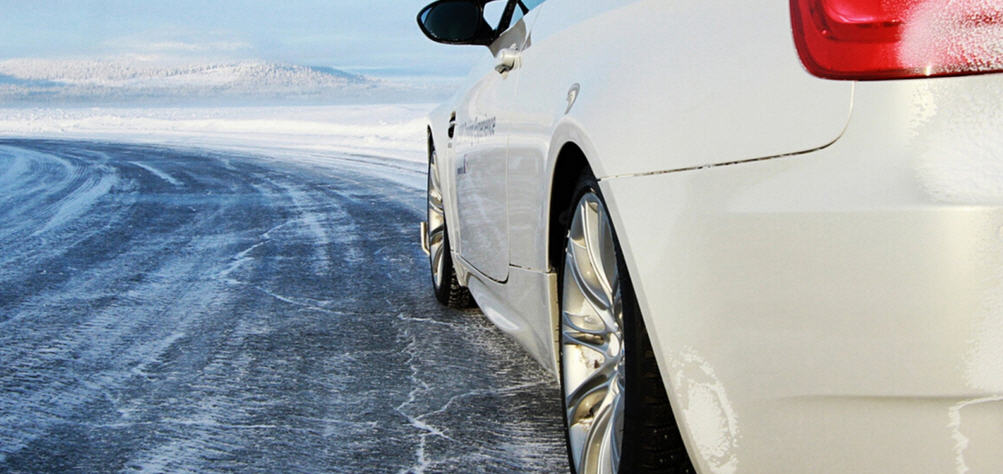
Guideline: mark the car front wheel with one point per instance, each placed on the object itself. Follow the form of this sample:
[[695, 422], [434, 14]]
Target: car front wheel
[[444, 282]]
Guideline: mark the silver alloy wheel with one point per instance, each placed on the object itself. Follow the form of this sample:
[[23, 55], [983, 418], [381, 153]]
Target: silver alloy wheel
[[592, 355], [436, 224]]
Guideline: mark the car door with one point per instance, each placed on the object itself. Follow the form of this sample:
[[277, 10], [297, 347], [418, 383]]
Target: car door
[[484, 122]]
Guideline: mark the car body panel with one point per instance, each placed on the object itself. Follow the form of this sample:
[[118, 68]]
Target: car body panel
[[525, 308], [650, 100], [847, 298], [654, 77], [483, 125], [480, 147]]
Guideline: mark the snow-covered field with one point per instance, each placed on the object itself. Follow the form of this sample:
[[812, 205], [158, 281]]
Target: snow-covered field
[[396, 131], [155, 81], [237, 105]]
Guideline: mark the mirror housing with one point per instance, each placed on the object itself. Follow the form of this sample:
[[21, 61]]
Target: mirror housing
[[456, 22]]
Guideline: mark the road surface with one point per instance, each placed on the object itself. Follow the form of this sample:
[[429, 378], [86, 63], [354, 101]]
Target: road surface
[[171, 309]]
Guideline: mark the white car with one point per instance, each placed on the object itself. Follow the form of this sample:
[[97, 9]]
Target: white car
[[754, 236]]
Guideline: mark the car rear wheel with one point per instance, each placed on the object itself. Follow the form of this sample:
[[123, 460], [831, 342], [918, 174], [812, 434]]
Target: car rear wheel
[[444, 282], [617, 415]]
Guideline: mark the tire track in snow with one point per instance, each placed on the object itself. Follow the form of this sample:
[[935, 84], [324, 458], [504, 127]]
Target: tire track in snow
[[160, 174]]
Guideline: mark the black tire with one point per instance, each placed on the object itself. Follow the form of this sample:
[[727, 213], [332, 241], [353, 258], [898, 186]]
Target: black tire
[[447, 287], [651, 439], [450, 293]]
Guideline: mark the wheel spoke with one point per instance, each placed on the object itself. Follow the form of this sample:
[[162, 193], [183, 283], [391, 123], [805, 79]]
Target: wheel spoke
[[436, 238], [437, 262], [436, 233], [607, 312], [435, 202], [581, 271], [616, 429], [605, 253], [595, 341], [433, 170], [589, 393], [606, 436], [598, 455], [598, 245]]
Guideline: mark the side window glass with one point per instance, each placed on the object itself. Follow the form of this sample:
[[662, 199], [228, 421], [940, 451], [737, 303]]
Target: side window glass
[[531, 4], [493, 12], [523, 7], [516, 15]]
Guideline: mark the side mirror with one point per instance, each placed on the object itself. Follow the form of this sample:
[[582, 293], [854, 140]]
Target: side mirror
[[456, 22]]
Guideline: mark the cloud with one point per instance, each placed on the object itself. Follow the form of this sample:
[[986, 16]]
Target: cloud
[[189, 47], [175, 42]]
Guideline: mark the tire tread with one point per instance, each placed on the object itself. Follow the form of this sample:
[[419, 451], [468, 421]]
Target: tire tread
[[459, 297]]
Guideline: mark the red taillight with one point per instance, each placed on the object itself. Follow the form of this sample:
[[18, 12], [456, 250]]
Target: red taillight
[[893, 39]]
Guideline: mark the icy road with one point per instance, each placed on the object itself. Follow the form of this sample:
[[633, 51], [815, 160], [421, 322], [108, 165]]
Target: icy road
[[183, 310]]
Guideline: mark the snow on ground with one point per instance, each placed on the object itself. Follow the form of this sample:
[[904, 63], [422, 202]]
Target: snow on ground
[[137, 72], [191, 311], [395, 131], [155, 81], [248, 105]]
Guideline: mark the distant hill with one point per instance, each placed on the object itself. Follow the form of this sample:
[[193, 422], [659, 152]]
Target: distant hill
[[124, 82]]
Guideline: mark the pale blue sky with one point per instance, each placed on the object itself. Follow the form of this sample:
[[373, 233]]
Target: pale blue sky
[[377, 37]]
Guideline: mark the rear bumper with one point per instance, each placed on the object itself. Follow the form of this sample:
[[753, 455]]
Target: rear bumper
[[841, 310]]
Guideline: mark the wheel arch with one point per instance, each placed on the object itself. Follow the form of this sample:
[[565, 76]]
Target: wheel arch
[[570, 161], [573, 153], [568, 166], [429, 143]]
